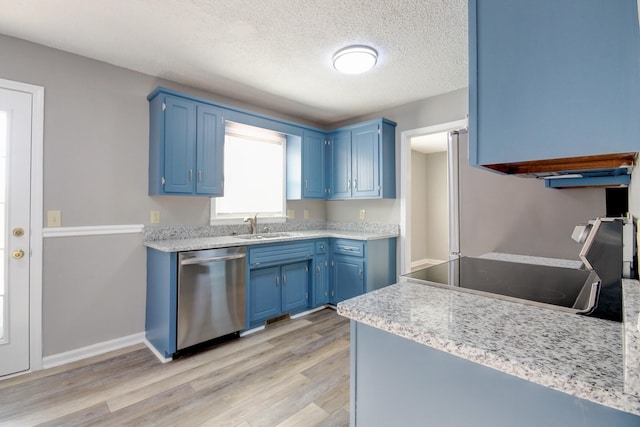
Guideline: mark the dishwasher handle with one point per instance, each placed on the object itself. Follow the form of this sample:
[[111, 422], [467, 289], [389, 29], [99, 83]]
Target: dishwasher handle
[[192, 261]]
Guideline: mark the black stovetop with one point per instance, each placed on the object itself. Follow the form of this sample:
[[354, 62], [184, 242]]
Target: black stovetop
[[529, 282]]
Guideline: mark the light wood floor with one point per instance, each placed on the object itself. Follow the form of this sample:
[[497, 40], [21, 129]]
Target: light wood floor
[[294, 373]]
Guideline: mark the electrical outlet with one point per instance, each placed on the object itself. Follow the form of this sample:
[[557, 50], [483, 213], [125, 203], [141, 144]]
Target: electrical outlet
[[306, 214], [363, 214], [291, 213], [54, 219], [155, 217]]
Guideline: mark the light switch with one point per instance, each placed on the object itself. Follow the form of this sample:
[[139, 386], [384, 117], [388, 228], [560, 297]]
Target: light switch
[[306, 214], [291, 213], [155, 217], [54, 219], [363, 214]]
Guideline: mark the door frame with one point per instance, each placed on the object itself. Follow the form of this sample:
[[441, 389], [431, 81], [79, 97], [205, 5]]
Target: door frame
[[405, 184], [37, 178]]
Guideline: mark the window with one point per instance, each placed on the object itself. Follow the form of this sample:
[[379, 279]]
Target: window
[[254, 173]]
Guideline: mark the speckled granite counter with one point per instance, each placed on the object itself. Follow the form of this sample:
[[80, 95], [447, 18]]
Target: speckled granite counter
[[582, 356], [188, 241]]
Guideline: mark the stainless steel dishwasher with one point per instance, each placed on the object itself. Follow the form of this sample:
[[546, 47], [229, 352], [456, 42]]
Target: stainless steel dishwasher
[[211, 294]]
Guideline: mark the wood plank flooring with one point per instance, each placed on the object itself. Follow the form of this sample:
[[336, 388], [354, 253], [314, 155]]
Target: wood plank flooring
[[294, 373]]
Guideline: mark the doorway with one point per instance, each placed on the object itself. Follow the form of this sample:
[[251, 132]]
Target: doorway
[[21, 126], [429, 198]]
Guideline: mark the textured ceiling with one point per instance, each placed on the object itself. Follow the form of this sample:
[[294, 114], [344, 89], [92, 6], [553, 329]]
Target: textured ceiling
[[272, 53]]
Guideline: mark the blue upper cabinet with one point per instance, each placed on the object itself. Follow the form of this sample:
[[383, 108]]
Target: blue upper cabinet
[[365, 150], [210, 151], [179, 145], [339, 165], [186, 147], [306, 165], [313, 165], [362, 161], [552, 79]]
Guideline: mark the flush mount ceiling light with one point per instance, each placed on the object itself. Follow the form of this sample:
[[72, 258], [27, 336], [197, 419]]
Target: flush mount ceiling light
[[355, 59]]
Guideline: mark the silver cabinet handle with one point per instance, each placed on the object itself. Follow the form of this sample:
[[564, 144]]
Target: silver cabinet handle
[[305, 184], [348, 184], [318, 270], [277, 281], [199, 175], [284, 280], [355, 184], [190, 175], [360, 274]]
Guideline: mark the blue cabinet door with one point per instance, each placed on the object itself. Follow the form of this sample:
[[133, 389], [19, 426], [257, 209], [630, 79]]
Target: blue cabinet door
[[179, 145], [320, 281], [210, 150], [264, 293], [313, 169], [348, 277], [295, 286], [340, 165], [365, 161], [552, 79]]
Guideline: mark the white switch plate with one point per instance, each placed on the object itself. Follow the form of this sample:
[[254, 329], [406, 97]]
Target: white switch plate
[[54, 219], [363, 214], [155, 217], [291, 213], [306, 214]]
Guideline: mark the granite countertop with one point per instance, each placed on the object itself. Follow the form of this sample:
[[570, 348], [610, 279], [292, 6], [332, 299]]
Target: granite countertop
[[196, 243], [590, 358]]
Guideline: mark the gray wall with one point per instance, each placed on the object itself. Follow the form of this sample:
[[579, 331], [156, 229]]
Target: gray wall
[[519, 215], [96, 139]]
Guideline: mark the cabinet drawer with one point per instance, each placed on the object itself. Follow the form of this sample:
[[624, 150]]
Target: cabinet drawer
[[349, 247], [322, 247], [278, 253]]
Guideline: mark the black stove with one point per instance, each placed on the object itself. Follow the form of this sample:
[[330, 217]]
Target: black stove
[[531, 283], [594, 290]]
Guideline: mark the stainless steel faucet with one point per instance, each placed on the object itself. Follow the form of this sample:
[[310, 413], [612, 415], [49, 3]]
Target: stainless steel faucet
[[253, 222]]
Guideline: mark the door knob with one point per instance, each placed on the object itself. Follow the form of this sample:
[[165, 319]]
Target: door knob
[[17, 254], [18, 232]]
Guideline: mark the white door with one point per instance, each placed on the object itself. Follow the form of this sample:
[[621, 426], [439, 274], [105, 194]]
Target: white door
[[15, 196]]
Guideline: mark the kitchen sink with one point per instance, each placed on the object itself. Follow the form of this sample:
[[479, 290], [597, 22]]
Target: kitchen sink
[[264, 236]]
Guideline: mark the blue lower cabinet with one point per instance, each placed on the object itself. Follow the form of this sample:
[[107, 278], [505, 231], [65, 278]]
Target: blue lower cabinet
[[279, 280], [277, 290], [320, 281], [348, 278], [162, 301], [264, 289], [295, 286], [360, 266]]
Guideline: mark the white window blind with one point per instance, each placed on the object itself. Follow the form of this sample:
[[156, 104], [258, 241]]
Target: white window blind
[[254, 173]]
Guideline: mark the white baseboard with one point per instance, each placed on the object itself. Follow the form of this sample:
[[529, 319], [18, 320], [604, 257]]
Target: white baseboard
[[159, 355], [425, 261], [91, 350]]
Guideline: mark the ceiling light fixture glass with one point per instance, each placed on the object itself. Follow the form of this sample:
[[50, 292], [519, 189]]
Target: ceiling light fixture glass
[[355, 59]]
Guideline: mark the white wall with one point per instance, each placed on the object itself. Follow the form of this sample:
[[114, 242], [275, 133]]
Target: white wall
[[437, 212], [419, 205], [429, 207]]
